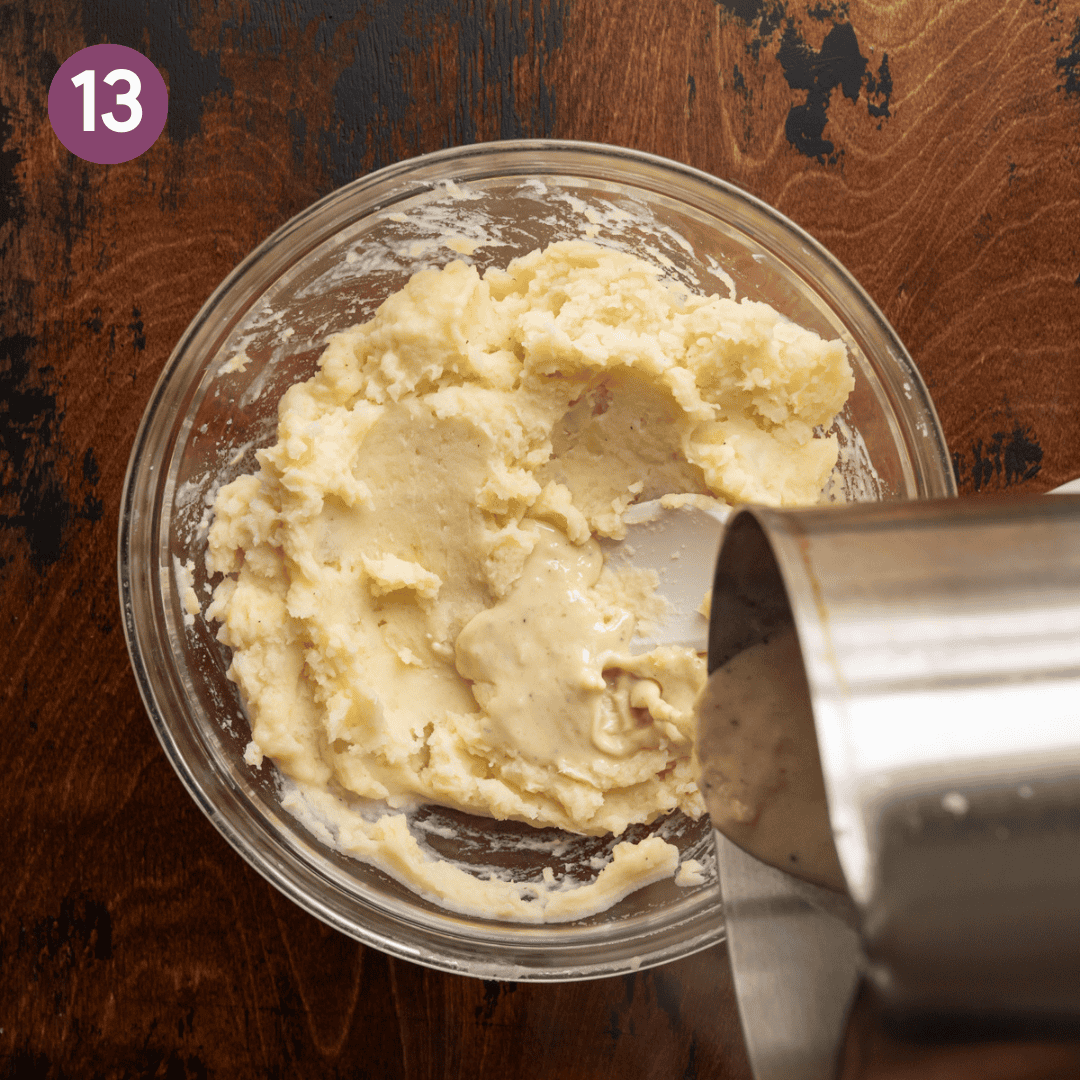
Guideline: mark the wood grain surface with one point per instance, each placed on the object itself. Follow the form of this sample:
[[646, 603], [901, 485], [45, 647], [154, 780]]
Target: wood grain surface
[[932, 145]]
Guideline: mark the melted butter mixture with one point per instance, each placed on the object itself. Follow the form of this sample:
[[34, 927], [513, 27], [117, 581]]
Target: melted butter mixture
[[551, 667], [415, 600], [536, 660], [760, 766]]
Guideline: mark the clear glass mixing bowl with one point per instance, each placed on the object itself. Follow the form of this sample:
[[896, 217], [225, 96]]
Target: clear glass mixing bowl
[[328, 269]]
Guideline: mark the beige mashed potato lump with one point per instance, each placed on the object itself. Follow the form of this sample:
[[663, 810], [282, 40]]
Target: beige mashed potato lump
[[415, 599]]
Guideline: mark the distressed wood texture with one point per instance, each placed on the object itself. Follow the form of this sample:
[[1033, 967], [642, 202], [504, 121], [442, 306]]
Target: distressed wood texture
[[934, 147]]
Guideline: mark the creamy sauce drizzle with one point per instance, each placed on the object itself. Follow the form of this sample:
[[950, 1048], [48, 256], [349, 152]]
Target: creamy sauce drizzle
[[538, 659]]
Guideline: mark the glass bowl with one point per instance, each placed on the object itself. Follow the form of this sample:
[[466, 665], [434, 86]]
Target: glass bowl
[[263, 329]]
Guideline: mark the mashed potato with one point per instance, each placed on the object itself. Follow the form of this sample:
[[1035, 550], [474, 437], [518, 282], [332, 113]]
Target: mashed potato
[[415, 599]]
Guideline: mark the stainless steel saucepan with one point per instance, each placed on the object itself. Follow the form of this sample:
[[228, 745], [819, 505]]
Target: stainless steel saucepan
[[940, 644]]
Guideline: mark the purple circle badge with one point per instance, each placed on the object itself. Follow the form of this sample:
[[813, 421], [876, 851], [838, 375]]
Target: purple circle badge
[[108, 104]]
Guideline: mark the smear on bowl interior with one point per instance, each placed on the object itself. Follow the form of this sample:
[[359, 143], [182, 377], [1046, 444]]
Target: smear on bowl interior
[[414, 596]]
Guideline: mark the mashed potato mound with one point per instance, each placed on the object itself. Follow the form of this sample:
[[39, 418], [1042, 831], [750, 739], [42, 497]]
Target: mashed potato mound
[[415, 600]]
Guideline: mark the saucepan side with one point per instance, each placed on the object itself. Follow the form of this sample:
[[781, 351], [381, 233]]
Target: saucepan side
[[941, 645]]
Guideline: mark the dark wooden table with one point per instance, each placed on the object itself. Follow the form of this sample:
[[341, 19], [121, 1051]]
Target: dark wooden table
[[933, 147]]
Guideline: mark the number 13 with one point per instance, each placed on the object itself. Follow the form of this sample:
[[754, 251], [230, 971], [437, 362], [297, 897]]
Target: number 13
[[129, 98]]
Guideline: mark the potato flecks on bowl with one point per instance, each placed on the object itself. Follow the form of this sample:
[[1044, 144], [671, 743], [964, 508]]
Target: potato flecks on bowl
[[415, 598]]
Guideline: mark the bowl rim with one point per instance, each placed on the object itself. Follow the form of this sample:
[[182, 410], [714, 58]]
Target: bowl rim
[[286, 871]]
